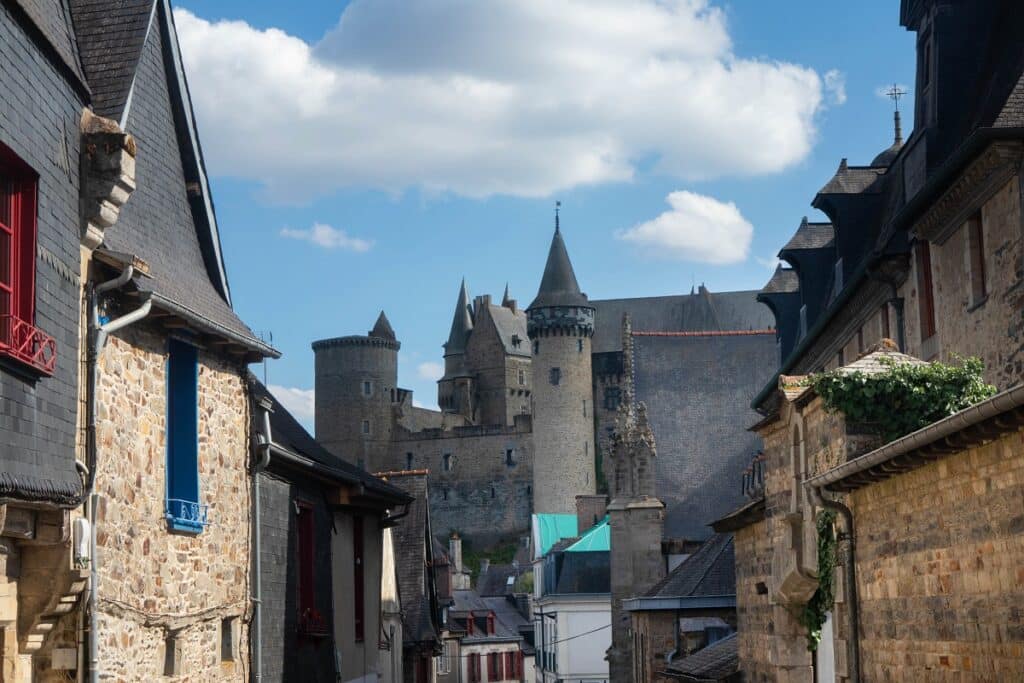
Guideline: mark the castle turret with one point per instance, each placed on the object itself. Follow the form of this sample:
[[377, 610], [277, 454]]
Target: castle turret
[[560, 326], [356, 384], [455, 389]]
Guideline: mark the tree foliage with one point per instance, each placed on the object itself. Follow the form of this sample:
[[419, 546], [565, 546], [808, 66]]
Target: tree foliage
[[905, 397]]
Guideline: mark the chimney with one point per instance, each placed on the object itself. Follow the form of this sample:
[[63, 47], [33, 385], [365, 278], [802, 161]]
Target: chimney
[[455, 553], [589, 511]]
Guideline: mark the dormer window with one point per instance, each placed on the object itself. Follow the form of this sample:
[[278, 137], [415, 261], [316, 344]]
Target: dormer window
[[516, 341]]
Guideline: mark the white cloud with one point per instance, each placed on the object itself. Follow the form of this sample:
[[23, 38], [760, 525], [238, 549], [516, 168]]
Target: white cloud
[[518, 97], [835, 86], [696, 228], [299, 402], [430, 370], [769, 263], [330, 238]]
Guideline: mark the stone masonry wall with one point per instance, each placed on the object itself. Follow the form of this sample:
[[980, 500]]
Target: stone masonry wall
[[940, 571], [754, 611], [482, 497], [153, 582]]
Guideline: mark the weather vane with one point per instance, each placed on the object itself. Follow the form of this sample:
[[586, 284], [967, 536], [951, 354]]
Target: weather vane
[[895, 93]]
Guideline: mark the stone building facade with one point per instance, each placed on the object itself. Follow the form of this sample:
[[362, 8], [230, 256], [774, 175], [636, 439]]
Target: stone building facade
[[923, 247]]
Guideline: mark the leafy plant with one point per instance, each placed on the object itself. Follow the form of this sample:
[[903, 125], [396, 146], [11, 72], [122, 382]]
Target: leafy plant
[[904, 398], [812, 617]]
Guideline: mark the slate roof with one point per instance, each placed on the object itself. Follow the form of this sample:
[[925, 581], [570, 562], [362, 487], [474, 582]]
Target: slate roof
[[110, 37], [161, 223], [558, 286], [879, 360], [784, 281], [700, 311], [382, 328], [511, 324], [709, 571], [717, 662], [412, 554], [853, 180], [462, 323], [510, 619], [54, 23], [810, 236], [506, 626], [287, 433], [494, 582]]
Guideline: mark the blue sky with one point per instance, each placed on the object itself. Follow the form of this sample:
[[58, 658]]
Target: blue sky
[[433, 139]]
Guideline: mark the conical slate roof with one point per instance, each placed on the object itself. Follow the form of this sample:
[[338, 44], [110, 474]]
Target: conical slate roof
[[558, 287], [382, 328], [506, 299], [462, 323]]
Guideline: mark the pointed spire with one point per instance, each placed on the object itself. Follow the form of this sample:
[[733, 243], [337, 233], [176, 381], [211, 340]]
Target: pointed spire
[[382, 328], [558, 205], [462, 323], [506, 299], [558, 286]]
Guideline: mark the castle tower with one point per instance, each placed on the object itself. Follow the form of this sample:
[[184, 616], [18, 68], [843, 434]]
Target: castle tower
[[636, 517], [560, 327], [356, 384], [455, 389]]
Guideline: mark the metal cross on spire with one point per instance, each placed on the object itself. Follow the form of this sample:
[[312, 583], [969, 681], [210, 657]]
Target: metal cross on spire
[[895, 93]]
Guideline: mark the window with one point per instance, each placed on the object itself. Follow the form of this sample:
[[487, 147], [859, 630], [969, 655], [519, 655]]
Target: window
[[516, 341], [183, 512], [19, 339], [409, 457], [367, 388], [172, 654], [612, 398], [443, 663], [444, 494], [522, 377], [584, 407], [510, 457], [229, 639], [494, 669], [359, 599], [840, 360], [536, 346], [976, 253], [446, 462], [925, 295], [473, 665], [492, 492], [555, 376], [579, 345], [310, 620], [366, 427], [884, 315]]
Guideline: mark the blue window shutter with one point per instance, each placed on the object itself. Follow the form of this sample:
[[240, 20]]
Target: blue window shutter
[[183, 508]]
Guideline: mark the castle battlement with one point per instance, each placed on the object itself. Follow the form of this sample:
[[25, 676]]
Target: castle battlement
[[523, 425]]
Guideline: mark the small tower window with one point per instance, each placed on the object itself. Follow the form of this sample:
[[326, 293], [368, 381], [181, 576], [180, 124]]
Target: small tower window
[[367, 388], [522, 377], [510, 457], [444, 494], [492, 492], [408, 460], [446, 462], [529, 490], [579, 345], [536, 346], [584, 407], [366, 427], [555, 376], [612, 398]]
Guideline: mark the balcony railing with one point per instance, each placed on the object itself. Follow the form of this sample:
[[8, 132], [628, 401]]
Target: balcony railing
[[312, 623], [27, 344], [186, 515]]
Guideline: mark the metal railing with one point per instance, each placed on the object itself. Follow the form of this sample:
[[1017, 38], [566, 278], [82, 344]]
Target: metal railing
[[186, 515], [26, 343]]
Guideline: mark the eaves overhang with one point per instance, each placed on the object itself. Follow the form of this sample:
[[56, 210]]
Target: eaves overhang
[[679, 603]]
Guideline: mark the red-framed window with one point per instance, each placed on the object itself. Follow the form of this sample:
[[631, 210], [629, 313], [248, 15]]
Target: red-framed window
[[473, 666], [19, 338], [470, 624], [358, 575], [494, 672], [310, 619], [510, 665]]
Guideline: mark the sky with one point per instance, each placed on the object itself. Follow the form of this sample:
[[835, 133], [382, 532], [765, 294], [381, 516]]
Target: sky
[[368, 155]]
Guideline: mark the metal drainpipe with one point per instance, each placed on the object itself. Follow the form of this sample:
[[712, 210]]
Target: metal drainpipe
[[96, 339], [257, 582], [849, 579]]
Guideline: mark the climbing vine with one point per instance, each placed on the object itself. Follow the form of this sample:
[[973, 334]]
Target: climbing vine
[[813, 615], [905, 397]]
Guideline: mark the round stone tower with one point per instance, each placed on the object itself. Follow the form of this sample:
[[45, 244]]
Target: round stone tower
[[356, 385], [560, 325]]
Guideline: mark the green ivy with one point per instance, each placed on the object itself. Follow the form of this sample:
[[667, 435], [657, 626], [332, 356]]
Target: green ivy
[[812, 617], [905, 397]]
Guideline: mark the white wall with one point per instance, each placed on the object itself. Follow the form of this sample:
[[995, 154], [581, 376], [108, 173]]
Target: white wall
[[583, 656]]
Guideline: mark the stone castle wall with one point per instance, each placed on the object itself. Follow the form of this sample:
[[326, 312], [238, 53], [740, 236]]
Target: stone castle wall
[[154, 583], [563, 422], [481, 496]]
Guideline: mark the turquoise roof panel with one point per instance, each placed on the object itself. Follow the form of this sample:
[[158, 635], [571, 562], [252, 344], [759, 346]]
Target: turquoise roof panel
[[553, 528], [597, 539]]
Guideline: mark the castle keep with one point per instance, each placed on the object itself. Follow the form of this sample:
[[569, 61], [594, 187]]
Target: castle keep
[[528, 396]]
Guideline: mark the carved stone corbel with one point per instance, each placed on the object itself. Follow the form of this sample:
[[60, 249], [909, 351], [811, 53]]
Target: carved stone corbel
[[107, 175]]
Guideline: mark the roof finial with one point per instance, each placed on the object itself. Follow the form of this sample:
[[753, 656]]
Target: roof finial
[[558, 205], [895, 93]]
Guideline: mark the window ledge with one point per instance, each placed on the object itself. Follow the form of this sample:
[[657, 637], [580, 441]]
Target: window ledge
[[188, 517]]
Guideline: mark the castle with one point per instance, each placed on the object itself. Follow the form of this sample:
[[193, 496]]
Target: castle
[[528, 397]]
